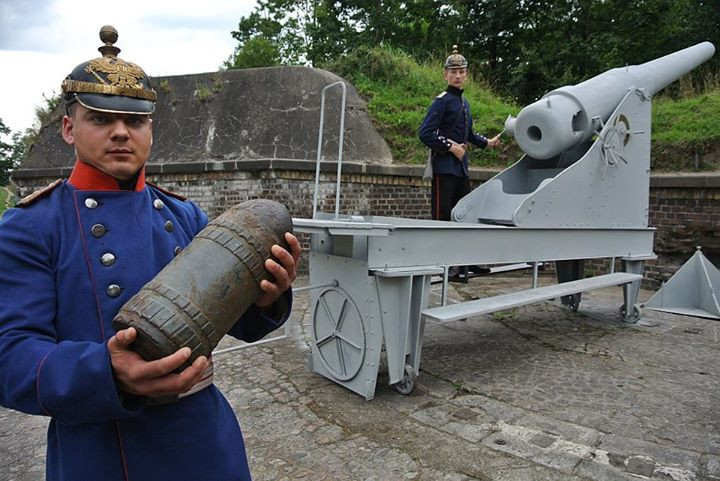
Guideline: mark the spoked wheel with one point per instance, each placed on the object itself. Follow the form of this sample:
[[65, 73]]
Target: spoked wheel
[[338, 333], [407, 383], [616, 138], [633, 317]]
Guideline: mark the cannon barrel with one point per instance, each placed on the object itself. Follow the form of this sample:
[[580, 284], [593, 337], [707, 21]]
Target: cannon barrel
[[563, 118], [201, 294]]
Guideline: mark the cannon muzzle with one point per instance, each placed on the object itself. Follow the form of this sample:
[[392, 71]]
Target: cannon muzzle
[[565, 117], [201, 294]]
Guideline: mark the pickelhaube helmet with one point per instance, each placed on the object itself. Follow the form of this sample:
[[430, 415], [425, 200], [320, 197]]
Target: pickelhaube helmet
[[110, 84], [455, 60]]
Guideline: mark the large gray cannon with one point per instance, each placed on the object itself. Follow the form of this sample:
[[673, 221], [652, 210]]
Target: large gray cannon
[[580, 197], [587, 160], [587, 152], [570, 115]]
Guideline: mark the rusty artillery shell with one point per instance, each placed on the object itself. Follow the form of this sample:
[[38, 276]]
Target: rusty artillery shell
[[201, 294]]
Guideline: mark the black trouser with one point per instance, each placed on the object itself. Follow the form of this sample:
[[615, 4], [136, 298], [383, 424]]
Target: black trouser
[[447, 190]]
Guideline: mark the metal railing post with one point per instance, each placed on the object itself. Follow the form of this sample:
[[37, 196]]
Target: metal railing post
[[340, 147]]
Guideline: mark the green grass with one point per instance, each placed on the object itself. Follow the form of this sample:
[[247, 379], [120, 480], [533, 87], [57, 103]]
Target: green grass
[[398, 91], [4, 198], [687, 120], [686, 133]]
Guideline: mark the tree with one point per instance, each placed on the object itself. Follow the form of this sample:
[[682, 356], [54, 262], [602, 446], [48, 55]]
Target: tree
[[280, 23], [255, 52], [10, 154], [5, 152], [318, 31], [422, 28], [522, 48], [526, 48]]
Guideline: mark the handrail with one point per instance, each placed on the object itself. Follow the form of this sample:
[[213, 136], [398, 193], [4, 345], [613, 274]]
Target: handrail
[[340, 147]]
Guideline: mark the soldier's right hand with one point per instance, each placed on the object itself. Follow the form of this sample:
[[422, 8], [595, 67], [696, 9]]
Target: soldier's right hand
[[458, 150], [151, 378], [495, 141]]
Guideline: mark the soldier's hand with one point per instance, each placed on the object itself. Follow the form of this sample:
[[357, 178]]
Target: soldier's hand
[[495, 141], [151, 378], [283, 270], [458, 150]]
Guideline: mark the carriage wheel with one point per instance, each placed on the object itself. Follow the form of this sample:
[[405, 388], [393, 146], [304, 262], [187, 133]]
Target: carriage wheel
[[338, 333]]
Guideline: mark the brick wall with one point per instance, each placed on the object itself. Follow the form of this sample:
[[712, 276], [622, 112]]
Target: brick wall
[[685, 209], [686, 212]]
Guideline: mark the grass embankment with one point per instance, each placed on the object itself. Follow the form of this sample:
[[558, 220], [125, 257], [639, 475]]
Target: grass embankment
[[686, 133], [398, 91]]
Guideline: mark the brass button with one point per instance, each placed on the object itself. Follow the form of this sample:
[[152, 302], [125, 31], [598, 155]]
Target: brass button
[[169, 226], [107, 259], [91, 203], [113, 290], [98, 230], [178, 250], [158, 204]]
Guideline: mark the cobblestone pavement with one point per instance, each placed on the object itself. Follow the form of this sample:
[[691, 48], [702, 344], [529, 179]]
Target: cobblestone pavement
[[536, 393]]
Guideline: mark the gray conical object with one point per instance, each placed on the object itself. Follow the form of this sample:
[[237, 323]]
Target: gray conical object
[[691, 291], [201, 294]]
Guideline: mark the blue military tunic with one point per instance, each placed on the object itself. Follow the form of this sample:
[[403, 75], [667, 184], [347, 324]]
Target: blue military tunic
[[68, 261], [449, 119]]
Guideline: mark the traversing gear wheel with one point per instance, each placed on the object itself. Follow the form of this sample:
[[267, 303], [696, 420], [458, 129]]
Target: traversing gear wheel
[[614, 141], [338, 333]]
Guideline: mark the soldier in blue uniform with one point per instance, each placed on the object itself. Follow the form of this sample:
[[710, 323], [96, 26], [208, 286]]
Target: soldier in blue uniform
[[70, 256], [446, 131]]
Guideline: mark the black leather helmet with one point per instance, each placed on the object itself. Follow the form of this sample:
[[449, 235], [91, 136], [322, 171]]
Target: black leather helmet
[[110, 84], [455, 60]]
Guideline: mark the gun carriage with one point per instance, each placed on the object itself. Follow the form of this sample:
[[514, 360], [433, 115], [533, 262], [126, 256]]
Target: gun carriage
[[580, 192]]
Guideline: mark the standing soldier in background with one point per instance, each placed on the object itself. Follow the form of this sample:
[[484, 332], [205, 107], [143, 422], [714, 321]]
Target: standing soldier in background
[[71, 255], [446, 131]]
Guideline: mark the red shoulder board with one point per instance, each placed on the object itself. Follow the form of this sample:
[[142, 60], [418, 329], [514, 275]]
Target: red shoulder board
[[165, 191], [29, 199]]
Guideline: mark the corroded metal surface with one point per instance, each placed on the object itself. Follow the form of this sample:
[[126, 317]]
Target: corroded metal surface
[[202, 293]]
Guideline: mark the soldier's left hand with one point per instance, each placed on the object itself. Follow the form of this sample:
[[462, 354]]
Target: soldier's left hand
[[283, 270]]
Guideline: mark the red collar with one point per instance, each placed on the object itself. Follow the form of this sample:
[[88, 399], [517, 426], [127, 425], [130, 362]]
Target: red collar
[[86, 177]]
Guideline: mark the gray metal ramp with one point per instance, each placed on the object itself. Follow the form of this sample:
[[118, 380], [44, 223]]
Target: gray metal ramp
[[464, 310], [691, 291]]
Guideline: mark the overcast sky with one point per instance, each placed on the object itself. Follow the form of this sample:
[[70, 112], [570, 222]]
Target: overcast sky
[[41, 41]]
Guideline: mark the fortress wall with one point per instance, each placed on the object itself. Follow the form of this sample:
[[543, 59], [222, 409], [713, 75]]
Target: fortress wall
[[240, 115]]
